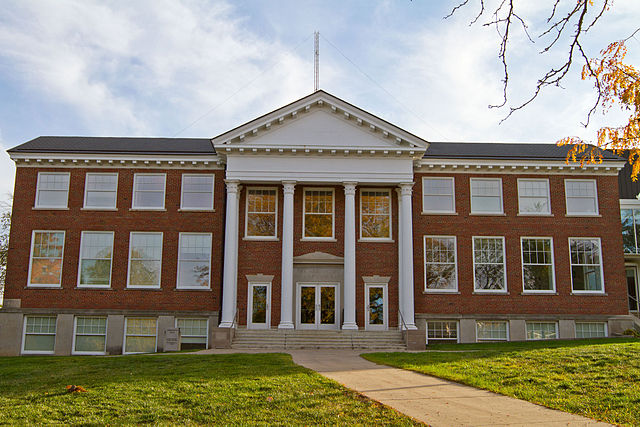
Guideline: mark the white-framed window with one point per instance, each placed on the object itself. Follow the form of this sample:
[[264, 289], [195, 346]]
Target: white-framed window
[[582, 196], [52, 190], [96, 254], [438, 195], [533, 196], [486, 195], [375, 214], [542, 330], [630, 219], [591, 329], [492, 331], [261, 221], [440, 264], [586, 265], [194, 261], [194, 333], [489, 272], [442, 330], [318, 214], [100, 190], [90, 335], [537, 264], [149, 190], [47, 254], [140, 335], [145, 260], [197, 192], [39, 335]]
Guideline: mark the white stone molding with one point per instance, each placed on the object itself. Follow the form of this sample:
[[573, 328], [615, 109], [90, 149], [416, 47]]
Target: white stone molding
[[349, 256], [375, 279], [286, 288], [230, 269], [406, 259]]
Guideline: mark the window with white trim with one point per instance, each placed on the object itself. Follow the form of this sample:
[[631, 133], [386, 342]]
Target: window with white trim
[[533, 197], [442, 330], [90, 335], [197, 192], [438, 195], [591, 329], [542, 330], [140, 335], [489, 272], [194, 333], [96, 252], [586, 264], [262, 213], [375, 214], [145, 260], [440, 268], [47, 252], [100, 190], [318, 213], [148, 190], [486, 195], [537, 264], [582, 196], [194, 260], [492, 331], [630, 230], [39, 334], [52, 190]]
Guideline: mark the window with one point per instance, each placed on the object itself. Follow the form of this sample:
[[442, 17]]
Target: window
[[533, 197], [492, 331], [318, 214], [537, 264], [47, 249], [100, 190], [194, 333], [39, 334], [542, 330], [582, 197], [197, 192], [438, 195], [586, 267], [145, 260], [262, 208], [440, 263], [194, 260], [630, 230], [52, 190], [96, 251], [90, 335], [140, 335], [148, 191], [591, 329], [488, 264], [375, 214], [486, 195], [442, 331]]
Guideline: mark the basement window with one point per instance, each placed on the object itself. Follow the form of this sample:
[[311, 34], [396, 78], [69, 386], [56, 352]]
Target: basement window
[[442, 331], [591, 329], [194, 333], [39, 335], [90, 335], [140, 335], [542, 330]]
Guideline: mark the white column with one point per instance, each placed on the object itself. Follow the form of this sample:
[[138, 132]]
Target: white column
[[286, 283], [406, 265], [230, 272], [349, 321], [400, 258]]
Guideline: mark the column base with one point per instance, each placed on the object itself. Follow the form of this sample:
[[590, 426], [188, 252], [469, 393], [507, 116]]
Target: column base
[[410, 327], [350, 326], [285, 325], [225, 324]]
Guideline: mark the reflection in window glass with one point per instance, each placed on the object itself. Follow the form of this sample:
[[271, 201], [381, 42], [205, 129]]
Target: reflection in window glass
[[488, 264], [194, 260], [375, 214], [261, 212], [318, 213], [46, 258], [145, 259], [440, 263], [95, 258]]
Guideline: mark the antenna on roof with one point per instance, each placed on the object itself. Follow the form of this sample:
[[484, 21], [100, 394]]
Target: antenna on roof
[[316, 61]]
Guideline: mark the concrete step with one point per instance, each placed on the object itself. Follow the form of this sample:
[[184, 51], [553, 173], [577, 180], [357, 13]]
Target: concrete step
[[300, 339]]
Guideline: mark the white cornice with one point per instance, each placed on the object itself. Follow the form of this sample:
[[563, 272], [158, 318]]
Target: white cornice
[[116, 161], [608, 167], [297, 150]]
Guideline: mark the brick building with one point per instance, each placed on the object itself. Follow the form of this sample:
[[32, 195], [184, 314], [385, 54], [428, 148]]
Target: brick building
[[317, 216]]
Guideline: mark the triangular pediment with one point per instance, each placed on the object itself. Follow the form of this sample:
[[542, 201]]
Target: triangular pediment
[[318, 258]]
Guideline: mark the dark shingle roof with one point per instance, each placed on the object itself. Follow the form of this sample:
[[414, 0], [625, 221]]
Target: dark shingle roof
[[115, 145]]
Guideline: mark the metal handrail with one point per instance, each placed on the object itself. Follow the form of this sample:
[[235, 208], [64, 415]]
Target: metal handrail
[[403, 324]]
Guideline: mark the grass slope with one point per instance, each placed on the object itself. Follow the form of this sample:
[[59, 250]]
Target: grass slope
[[595, 378], [184, 389]]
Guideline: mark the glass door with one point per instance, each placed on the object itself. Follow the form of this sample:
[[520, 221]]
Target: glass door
[[376, 307], [632, 289], [259, 313], [317, 306], [307, 306], [327, 307]]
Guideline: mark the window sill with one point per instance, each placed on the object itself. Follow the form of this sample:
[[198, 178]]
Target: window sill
[[437, 213], [148, 209], [590, 294], [540, 293], [195, 210], [320, 239], [490, 293], [43, 287], [193, 289], [261, 239], [44, 208], [376, 241], [142, 288], [583, 215], [98, 209], [440, 292], [96, 288], [534, 214], [487, 214]]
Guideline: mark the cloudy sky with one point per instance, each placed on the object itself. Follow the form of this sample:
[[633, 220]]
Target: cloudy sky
[[198, 68]]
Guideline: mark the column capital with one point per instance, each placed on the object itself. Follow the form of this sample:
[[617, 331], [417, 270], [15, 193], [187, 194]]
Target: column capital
[[288, 187], [406, 188], [233, 185], [350, 188]]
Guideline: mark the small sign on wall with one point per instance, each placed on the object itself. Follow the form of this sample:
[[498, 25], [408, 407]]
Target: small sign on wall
[[172, 339]]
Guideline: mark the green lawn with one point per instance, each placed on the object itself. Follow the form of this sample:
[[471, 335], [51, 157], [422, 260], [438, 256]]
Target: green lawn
[[599, 379], [179, 389]]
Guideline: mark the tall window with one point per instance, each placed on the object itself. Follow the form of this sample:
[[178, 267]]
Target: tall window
[[318, 214], [582, 197], [492, 331], [148, 191], [101, 190], [197, 192], [140, 335], [52, 190], [630, 230], [486, 195], [440, 263], [90, 335], [375, 214], [96, 252], [262, 208], [145, 260], [489, 272], [194, 333], [47, 249], [586, 264], [533, 196], [39, 334], [542, 330], [438, 195], [194, 260], [537, 264]]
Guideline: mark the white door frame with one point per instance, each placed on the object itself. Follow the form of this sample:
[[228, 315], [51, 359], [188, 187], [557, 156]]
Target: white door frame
[[317, 325], [250, 324], [385, 293], [635, 275]]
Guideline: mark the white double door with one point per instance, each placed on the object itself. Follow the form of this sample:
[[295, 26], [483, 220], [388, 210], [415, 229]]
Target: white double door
[[317, 306]]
